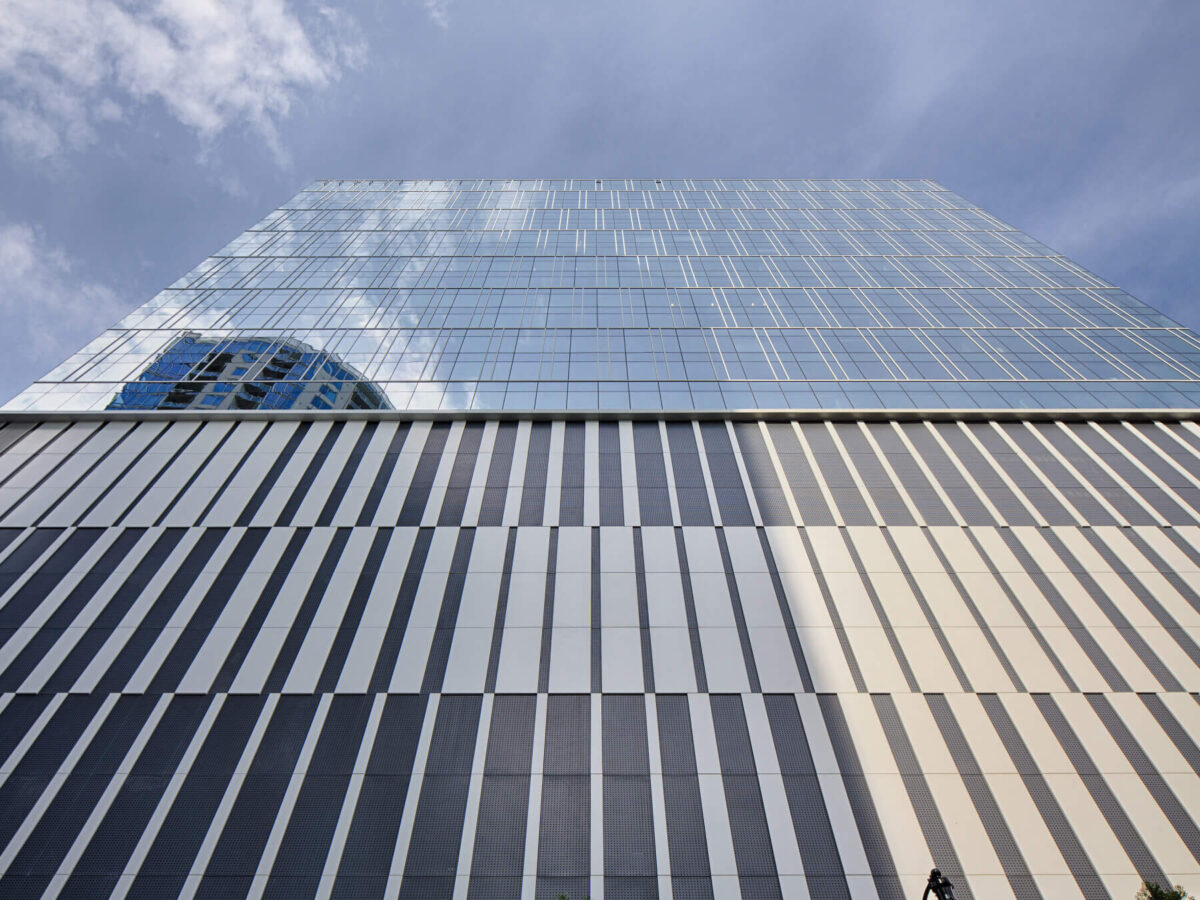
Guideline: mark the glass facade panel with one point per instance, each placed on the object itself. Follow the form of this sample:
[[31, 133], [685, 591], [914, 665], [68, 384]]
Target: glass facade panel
[[632, 294]]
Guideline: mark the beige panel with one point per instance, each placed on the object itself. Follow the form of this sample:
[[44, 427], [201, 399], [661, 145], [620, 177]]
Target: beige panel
[[1064, 644], [991, 601], [977, 728], [918, 555], [873, 549], [978, 660], [832, 555], [851, 600], [788, 549], [880, 669], [826, 662], [898, 599], [1154, 827], [1026, 655], [944, 600], [1039, 739], [962, 824], [929, 664], [1089, 825], [1148, 733], [959, 551], [901, 829], [924, 734], [1092, 734]]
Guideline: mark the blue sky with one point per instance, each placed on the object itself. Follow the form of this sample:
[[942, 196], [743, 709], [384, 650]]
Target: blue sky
[[139, 136]]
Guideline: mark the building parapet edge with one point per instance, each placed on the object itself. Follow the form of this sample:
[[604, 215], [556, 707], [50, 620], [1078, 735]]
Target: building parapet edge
[[742, 415]]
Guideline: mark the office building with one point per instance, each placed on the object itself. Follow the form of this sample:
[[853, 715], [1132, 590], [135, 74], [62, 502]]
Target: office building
[[663, 538]]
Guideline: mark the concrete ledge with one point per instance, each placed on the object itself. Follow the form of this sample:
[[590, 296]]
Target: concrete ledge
[[737, 415]]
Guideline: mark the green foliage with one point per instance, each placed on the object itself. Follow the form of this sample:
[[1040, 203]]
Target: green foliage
[[1150, 891]]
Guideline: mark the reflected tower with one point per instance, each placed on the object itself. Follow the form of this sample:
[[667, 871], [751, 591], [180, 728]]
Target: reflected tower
[[245, 372]]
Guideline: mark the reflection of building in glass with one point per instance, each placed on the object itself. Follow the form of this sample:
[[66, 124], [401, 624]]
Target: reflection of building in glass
[[247, 373]]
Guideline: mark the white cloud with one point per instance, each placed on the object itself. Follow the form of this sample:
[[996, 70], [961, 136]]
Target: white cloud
[[47, 311], [439, 12], [67, 66]]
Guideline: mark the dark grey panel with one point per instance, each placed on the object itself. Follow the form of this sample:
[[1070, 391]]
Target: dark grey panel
[[533, 486], [459, 485], [1131, 475], [386, 466], [1015, 868], [385, 664], [1090, 884], [571, 494], [743, 798], [1114, 493], [691, 489], [1056, 473], [629, 849], [961, 493], [686, 838], [437, 828], [982, 472], [286, 456], [831, 466], [346, 476], [564, 839], [760, 472], [495, 491], [170, 857], [1131, 842], [1038, 495], [612, 497], [43, 851], [235, 857], [927, 501], [371, 841], [810, 817], [413, 509], [933, 826], [806, 493], [654, 499], [726, 479]]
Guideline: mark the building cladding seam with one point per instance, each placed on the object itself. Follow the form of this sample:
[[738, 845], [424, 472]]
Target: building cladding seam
[[514, 597]]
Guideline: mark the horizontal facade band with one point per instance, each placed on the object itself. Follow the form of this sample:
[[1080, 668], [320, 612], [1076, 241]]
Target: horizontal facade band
[[543, 415]]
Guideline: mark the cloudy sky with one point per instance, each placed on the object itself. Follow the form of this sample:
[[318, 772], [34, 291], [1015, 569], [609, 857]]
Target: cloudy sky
[[139, 136]]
